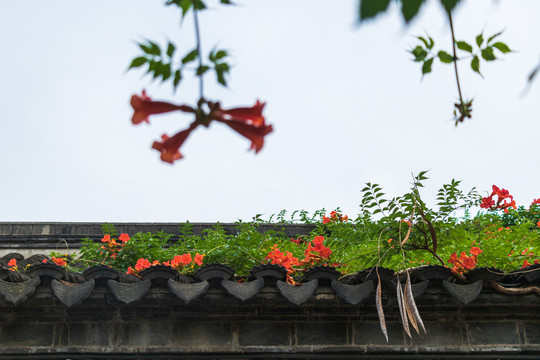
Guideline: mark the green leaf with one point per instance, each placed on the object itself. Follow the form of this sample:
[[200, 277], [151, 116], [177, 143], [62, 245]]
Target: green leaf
[[419, 53], [154, 48], [170, 49], [220, 54], [431, 43], [185, 5], [221, 70], [422, 39], [223, 67], [426, 67], [368, 9], [199, 5], [445, 57], [151, 66], [221, 77], [157, 68], [202, 69], [475, 64], [502, 47], [166, 71], [494, 36], [480, 40], [488, 54], [191, 56], [137, 62], [145, 48], [226, 2], [177, 78], [449, 5], [410, 8], [462, 45]]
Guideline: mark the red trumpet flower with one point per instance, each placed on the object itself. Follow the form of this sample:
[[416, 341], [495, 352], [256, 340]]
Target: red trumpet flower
[[144, 106], [247, 121], [170, 146]]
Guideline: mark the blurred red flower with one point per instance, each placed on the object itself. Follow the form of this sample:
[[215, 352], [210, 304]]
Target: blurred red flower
[[247, 121], [144, 106]]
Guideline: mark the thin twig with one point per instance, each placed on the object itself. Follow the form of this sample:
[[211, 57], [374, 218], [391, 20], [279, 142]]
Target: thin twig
[[455, 57], [431, 229], [513, 291], [199, 51]]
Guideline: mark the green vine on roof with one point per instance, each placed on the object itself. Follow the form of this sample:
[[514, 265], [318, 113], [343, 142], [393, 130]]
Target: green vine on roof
[[396, 233]]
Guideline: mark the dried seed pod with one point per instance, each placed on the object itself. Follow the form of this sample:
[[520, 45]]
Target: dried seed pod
[[380, 312], [410, 304], [402, 308]]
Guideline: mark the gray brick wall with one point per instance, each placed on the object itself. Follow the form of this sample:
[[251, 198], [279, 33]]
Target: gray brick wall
[[215, 325]]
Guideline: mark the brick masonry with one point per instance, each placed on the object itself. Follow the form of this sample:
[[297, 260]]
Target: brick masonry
[[218, 325]]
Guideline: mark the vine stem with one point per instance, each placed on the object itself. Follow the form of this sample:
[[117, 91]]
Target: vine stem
[[199, 52], [455, 57]]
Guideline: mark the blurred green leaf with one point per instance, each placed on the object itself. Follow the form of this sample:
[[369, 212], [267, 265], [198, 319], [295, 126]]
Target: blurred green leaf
[[220, 54], [502, 47], [154, 48], [166, 71], [221, 70], [191, 56], [475, 64], [494, 36], [170, 49], [186, 5], [137, 62], [410, 8], [158, 69], [147, 49], [419, 53], [216, 55], [480, 40], [449, 5], [151, 66], [431, 43], [202, 69], [426, 67], [221, 78], [462, 45], [445, 57], [488, 54], [368, 9], [223, 67], [199, 5], [177, 78], [423, 39]]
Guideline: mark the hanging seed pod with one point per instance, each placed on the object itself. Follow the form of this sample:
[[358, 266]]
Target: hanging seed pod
[[402, 309], [412, 310], [380, 312]]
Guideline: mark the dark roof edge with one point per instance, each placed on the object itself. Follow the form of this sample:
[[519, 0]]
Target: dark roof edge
[[94, 228]]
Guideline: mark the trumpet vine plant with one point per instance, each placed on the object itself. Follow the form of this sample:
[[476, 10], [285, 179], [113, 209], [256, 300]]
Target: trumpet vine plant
[[398, 233]]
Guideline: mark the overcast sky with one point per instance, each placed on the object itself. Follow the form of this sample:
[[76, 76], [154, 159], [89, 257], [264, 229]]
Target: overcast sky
[[347, 104]]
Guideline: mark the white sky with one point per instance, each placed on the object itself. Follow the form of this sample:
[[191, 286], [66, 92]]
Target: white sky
[[347, 104]]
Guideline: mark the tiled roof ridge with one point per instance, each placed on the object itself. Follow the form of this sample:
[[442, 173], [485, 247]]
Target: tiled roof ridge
[[83, 229], [72, 288]]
